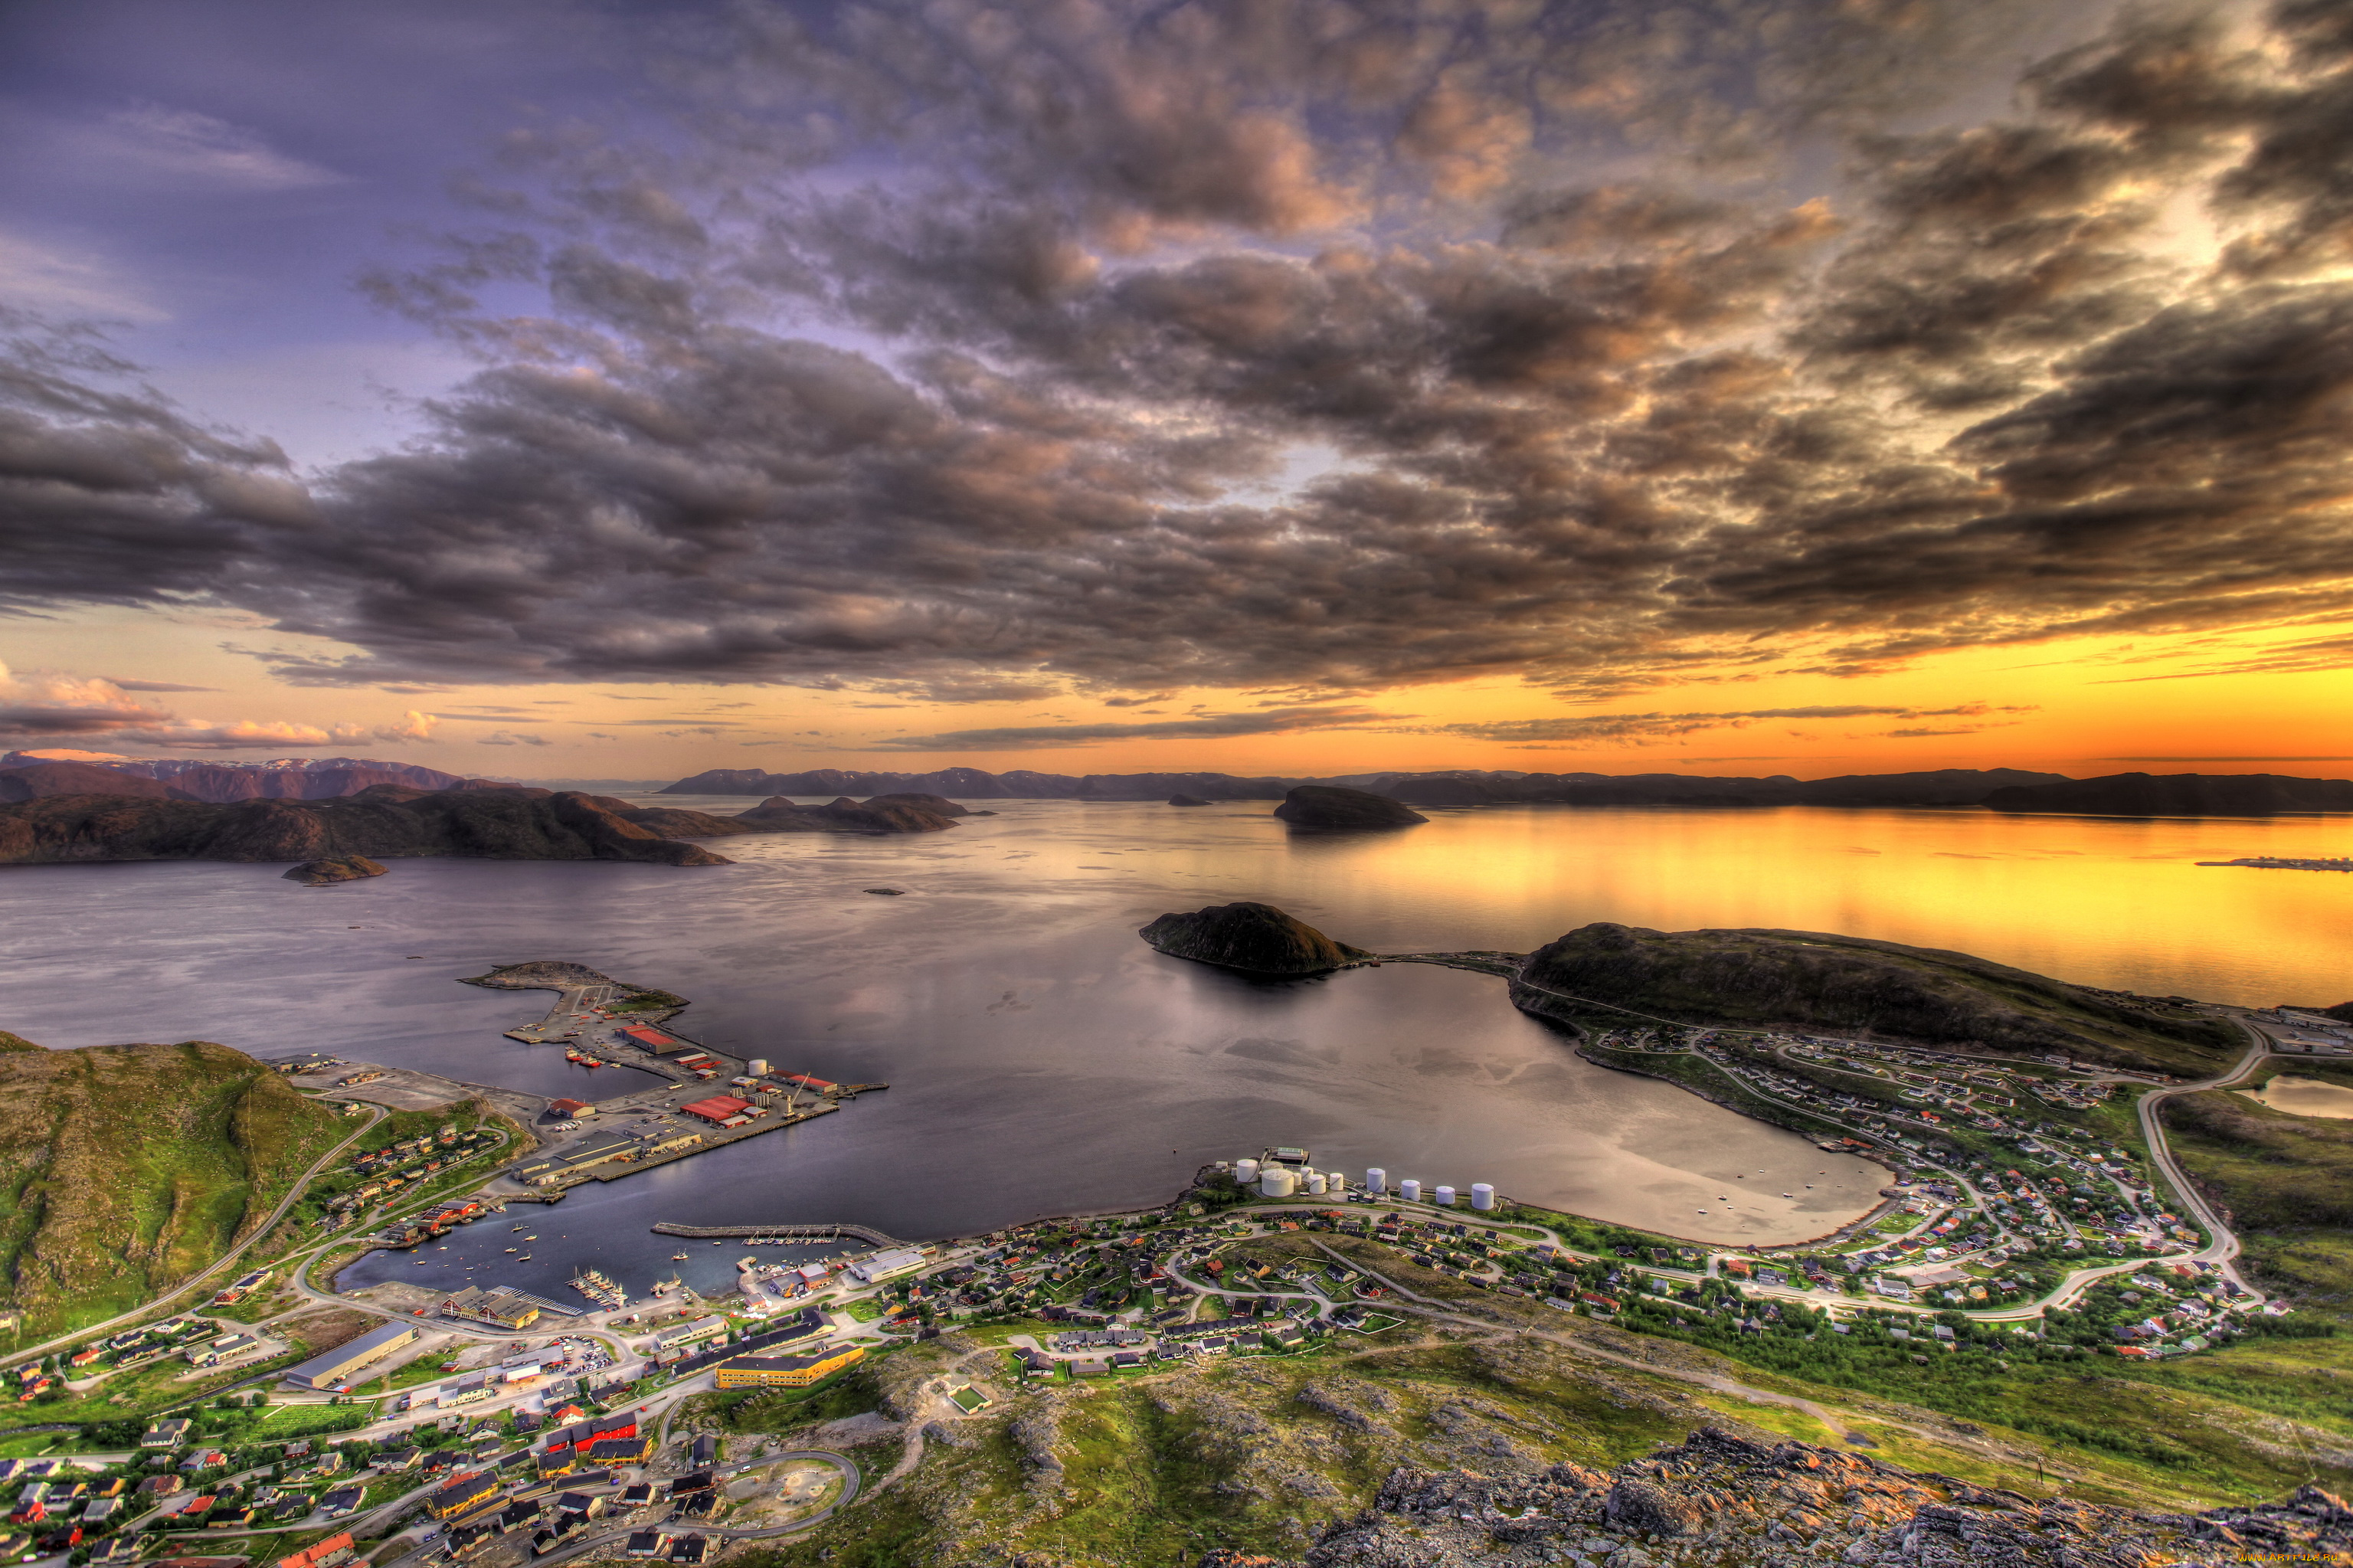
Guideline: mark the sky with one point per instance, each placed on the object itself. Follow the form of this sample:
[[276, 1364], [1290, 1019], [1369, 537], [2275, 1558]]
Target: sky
[[556, 389]]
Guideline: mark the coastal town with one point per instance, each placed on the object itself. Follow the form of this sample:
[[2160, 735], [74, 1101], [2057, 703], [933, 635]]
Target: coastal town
[[2028, 1214]]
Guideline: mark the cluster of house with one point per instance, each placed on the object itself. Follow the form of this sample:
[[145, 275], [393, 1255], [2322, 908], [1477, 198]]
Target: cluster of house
[[555, 1500], [1095, 1353], [52, 1510], [412, 1160], [2187, 1302]]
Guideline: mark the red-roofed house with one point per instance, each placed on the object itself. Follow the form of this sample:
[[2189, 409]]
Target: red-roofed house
[[570, 1107]]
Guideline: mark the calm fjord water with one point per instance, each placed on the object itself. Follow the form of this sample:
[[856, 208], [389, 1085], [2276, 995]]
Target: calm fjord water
[[1044, 1061]]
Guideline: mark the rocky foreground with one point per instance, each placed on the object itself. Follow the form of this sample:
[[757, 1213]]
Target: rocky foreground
[[1725, 1502]]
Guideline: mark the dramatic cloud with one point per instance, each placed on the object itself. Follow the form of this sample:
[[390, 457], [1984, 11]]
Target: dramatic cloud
[[956, 353], [48, 705]]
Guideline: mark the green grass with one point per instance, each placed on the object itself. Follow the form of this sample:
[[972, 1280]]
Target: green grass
[[124, 1169], [2285, 1183], [847, 1392]]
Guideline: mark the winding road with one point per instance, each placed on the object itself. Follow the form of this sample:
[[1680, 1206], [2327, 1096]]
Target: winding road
[[294, 1196]]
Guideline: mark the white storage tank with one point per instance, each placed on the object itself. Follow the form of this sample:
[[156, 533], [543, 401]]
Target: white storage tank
[[1377, 1181], [1444, 1198], [1409, 1189], [758, 1066], [1245, 1172], [1274, 1181], [1315, 1184], [1482, 1194]]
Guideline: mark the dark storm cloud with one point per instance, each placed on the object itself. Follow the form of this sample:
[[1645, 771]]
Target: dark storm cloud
[[1089, 276]]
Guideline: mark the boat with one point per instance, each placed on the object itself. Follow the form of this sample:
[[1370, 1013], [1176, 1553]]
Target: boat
[[510, 1249], [524, 1258], [678, 1257], [599, 1287]]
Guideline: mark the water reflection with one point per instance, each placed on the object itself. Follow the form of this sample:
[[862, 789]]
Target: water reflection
[[1044, 1060]]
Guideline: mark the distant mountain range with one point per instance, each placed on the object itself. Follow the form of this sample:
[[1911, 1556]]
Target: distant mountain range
[[2002, 789], [35, 775], [1465, 787]]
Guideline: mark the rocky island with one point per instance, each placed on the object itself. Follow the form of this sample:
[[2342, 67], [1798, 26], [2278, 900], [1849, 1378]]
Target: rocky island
[[332, 869], [1332, 806], [1256, 938]]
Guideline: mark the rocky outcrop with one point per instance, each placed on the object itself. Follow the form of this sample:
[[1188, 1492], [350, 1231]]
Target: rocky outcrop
[[2179, 795], [672, 822], [1181, 799], [1256, 938], [1330, 806], [334, 869], [540, 974], [779, 815], [1808, 978], [1722, 1499], [385, 822], [938, 805]]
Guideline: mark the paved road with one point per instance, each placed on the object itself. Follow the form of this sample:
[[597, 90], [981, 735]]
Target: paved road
[[2222, 1246], [376, 1114]]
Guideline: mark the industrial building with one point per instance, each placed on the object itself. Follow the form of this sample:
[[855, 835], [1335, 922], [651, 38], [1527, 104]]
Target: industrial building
[[887, 1265], [720, 1110], [678, 1334], [332, 1366], [498, 1305], [785, 1371]]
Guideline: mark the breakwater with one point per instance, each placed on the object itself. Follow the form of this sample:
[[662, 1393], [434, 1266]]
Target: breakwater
[[782, 1233]]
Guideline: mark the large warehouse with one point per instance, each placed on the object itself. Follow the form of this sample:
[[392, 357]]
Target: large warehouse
[[330, 1367], [720, 1111]]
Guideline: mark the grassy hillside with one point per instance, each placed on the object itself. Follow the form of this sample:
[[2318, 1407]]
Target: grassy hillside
[[1811, 980], [1261, 1455], [2286, 1183], [125, 1168]]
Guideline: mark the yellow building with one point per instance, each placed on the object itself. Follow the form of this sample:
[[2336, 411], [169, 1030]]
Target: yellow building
[[786, 1372]]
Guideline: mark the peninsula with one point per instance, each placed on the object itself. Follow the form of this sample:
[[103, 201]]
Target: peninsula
[[389, 821]]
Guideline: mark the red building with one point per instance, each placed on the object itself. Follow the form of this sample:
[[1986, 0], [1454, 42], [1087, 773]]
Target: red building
[[718, 1109], [815, 1085]]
